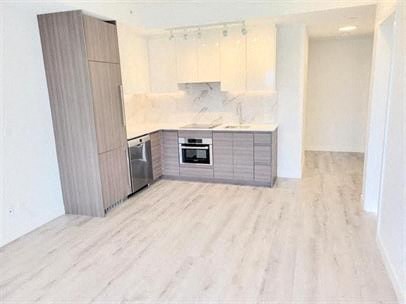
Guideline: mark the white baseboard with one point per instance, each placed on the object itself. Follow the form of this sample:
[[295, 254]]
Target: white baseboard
[[333, 149], [397, 286]]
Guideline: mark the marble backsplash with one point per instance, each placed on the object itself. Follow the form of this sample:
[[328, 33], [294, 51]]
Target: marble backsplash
[[202, 103]]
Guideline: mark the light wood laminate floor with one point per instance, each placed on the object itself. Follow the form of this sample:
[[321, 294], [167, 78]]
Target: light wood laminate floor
[[304, 241]]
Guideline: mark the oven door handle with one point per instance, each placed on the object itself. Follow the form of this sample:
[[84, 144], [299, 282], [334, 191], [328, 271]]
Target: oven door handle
[[195, 148]]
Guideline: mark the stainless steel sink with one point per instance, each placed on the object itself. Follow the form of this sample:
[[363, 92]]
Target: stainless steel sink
[[237, 127]]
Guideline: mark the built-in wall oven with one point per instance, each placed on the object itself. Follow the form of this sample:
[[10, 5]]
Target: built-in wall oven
[[197, 151]]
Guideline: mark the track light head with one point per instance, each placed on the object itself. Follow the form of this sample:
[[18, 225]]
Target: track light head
[[243, 29], [225, 31]]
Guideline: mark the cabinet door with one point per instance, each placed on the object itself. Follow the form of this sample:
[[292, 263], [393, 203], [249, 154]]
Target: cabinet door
[[108, 108], [243, 156], [133, 59], [101, 40], [261, 57], [114, 175], [186, 59], [156, 155], [162, 64], [170, 153], [208, 55], [233, 61], [223, 155]]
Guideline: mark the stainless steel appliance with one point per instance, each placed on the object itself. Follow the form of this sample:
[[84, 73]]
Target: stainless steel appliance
[[197, 151], [139, 151]]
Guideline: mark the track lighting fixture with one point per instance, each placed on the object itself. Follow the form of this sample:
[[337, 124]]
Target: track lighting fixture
[[197, 29], [243, 29], [225, 30]]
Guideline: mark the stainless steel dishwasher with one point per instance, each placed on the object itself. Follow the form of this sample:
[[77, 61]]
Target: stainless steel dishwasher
[[139, 151]]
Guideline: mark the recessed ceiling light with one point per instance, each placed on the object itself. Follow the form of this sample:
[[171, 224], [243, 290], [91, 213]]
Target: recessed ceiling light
[[348, 28]]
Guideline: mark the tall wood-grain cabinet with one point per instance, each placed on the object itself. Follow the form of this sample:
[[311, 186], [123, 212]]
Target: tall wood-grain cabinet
[[82, 67]]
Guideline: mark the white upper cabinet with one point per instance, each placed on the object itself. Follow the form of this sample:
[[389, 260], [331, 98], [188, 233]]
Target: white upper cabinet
[[261, 57], [186, 58], [134, 60], [208, 56], [162, 64], [233, 60]]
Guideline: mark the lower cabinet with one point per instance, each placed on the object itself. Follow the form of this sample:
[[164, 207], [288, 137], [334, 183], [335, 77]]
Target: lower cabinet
[[223, 165], [170, 153], [114, 176], [243, 156], [156, 154]]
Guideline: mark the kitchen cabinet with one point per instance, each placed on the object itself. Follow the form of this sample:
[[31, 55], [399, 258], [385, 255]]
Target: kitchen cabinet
[[134, 60], [82, 66], [233, 61], [115, 180], [156, 155], [243, 156], [170, 153], [261, 57], [101, 40], [223, 164], [265, 157], [105, 81], [162, 64], [186, 59], [208, 56]]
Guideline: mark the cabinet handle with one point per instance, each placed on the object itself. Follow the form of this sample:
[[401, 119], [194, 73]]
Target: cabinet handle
[[122, 104]]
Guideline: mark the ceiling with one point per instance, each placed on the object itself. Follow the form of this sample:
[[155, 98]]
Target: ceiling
[[322, 17], [324, 24]]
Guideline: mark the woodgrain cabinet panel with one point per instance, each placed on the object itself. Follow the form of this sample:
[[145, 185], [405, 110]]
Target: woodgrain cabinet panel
[[110, 120], [83, 76], [101, 40], [156, 154], [114, 176], [223, 155], [243, 156], [196, 172], [170, 153]]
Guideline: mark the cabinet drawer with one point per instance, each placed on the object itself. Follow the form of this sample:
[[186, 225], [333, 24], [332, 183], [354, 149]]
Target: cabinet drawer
[[244, 173], [262, 155], [263, 173], [196, 172], [243, 140], [195, 134], [223, 137], [263, 138]]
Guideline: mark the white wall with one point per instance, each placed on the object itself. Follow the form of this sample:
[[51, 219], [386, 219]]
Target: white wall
[[291, 75], [2, 208], [378, 104], [32, 191], [337, 96], [391, 231]]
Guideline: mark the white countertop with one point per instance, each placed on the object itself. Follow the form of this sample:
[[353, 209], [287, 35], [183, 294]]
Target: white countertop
[[136, 130]]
